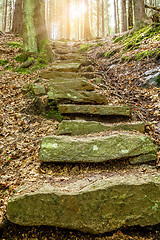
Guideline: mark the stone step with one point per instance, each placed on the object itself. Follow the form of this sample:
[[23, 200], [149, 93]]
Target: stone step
[[65, 50], [52, 74], [73, 96], [102, 110], [96, 147], [71, 56], [95, 205], [66, 67], [74, 84], [81, 127]]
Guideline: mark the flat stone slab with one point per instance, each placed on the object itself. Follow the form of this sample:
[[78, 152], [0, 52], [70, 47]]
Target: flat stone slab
[[66, 67], [75, 84], [71, 56], [67, 96], [102, 110], [95, 148], [96, 207], [81, 127]]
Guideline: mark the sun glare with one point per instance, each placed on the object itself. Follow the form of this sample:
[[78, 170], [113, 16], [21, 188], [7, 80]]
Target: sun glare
[[76, 12]]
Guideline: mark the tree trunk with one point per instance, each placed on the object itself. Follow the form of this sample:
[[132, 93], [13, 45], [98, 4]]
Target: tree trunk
[[5, 15], [139, 13], [124, 16], [115, 16], [118, 22], [68, 20], [97, 18], [130, 14], [103, 33], [17, 17], [87, 31], [35, 37]]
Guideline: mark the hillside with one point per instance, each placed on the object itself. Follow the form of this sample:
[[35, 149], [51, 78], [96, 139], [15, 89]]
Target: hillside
[[118, 68]]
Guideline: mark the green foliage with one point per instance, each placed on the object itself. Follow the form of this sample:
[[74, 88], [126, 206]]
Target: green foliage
[[21, 58], [3, 62], [158, 79], [111, 53], [85, 47], [145, 54], [54, 114], [15, 44]]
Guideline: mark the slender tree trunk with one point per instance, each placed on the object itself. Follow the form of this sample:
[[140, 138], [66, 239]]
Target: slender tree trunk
[[130, 14], [115, 16], [87, 31], [17, 17], [97, 18], [5, 15], [118, 22], [68, 20], [124, 16], [91, 15], [103, 33], [35, 37]]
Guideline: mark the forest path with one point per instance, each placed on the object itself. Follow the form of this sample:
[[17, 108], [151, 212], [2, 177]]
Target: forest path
[[113, 193]]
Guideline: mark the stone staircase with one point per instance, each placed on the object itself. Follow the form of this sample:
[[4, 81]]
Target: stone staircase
[[93, 132]]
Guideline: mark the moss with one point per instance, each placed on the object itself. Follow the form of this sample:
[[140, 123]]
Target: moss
[[158, 79], [21, 58], [85, 47], [15, 44], [145, 54], [111, 53], [3, 62], [54, 114], [119, 39]]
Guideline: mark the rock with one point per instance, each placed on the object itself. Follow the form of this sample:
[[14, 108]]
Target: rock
[[143, 159], [65, 51], [102, 110], [38, 89], [96, 148], [101, 206], [86, 63], [89, 68], [51, 74], [74, 84], [152, 77], [66, 67], [67, 96], [80, 127], [71, 56]]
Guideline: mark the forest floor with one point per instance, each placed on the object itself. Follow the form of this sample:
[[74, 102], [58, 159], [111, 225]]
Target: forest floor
[[21, 130]]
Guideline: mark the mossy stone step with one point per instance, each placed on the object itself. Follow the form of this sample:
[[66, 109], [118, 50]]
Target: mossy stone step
[[72, 56], [98, 206], [81, 127], [74, 84], [65, 50], [66, 67], [95, 148], [52, 74], [102, 110], [68, 96]]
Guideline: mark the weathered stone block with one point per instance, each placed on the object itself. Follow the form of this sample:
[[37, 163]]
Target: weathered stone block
[[66, 67], [80, 127], [67, 96], [102, 206], [102, 110], [96, 148], [74, 84]]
